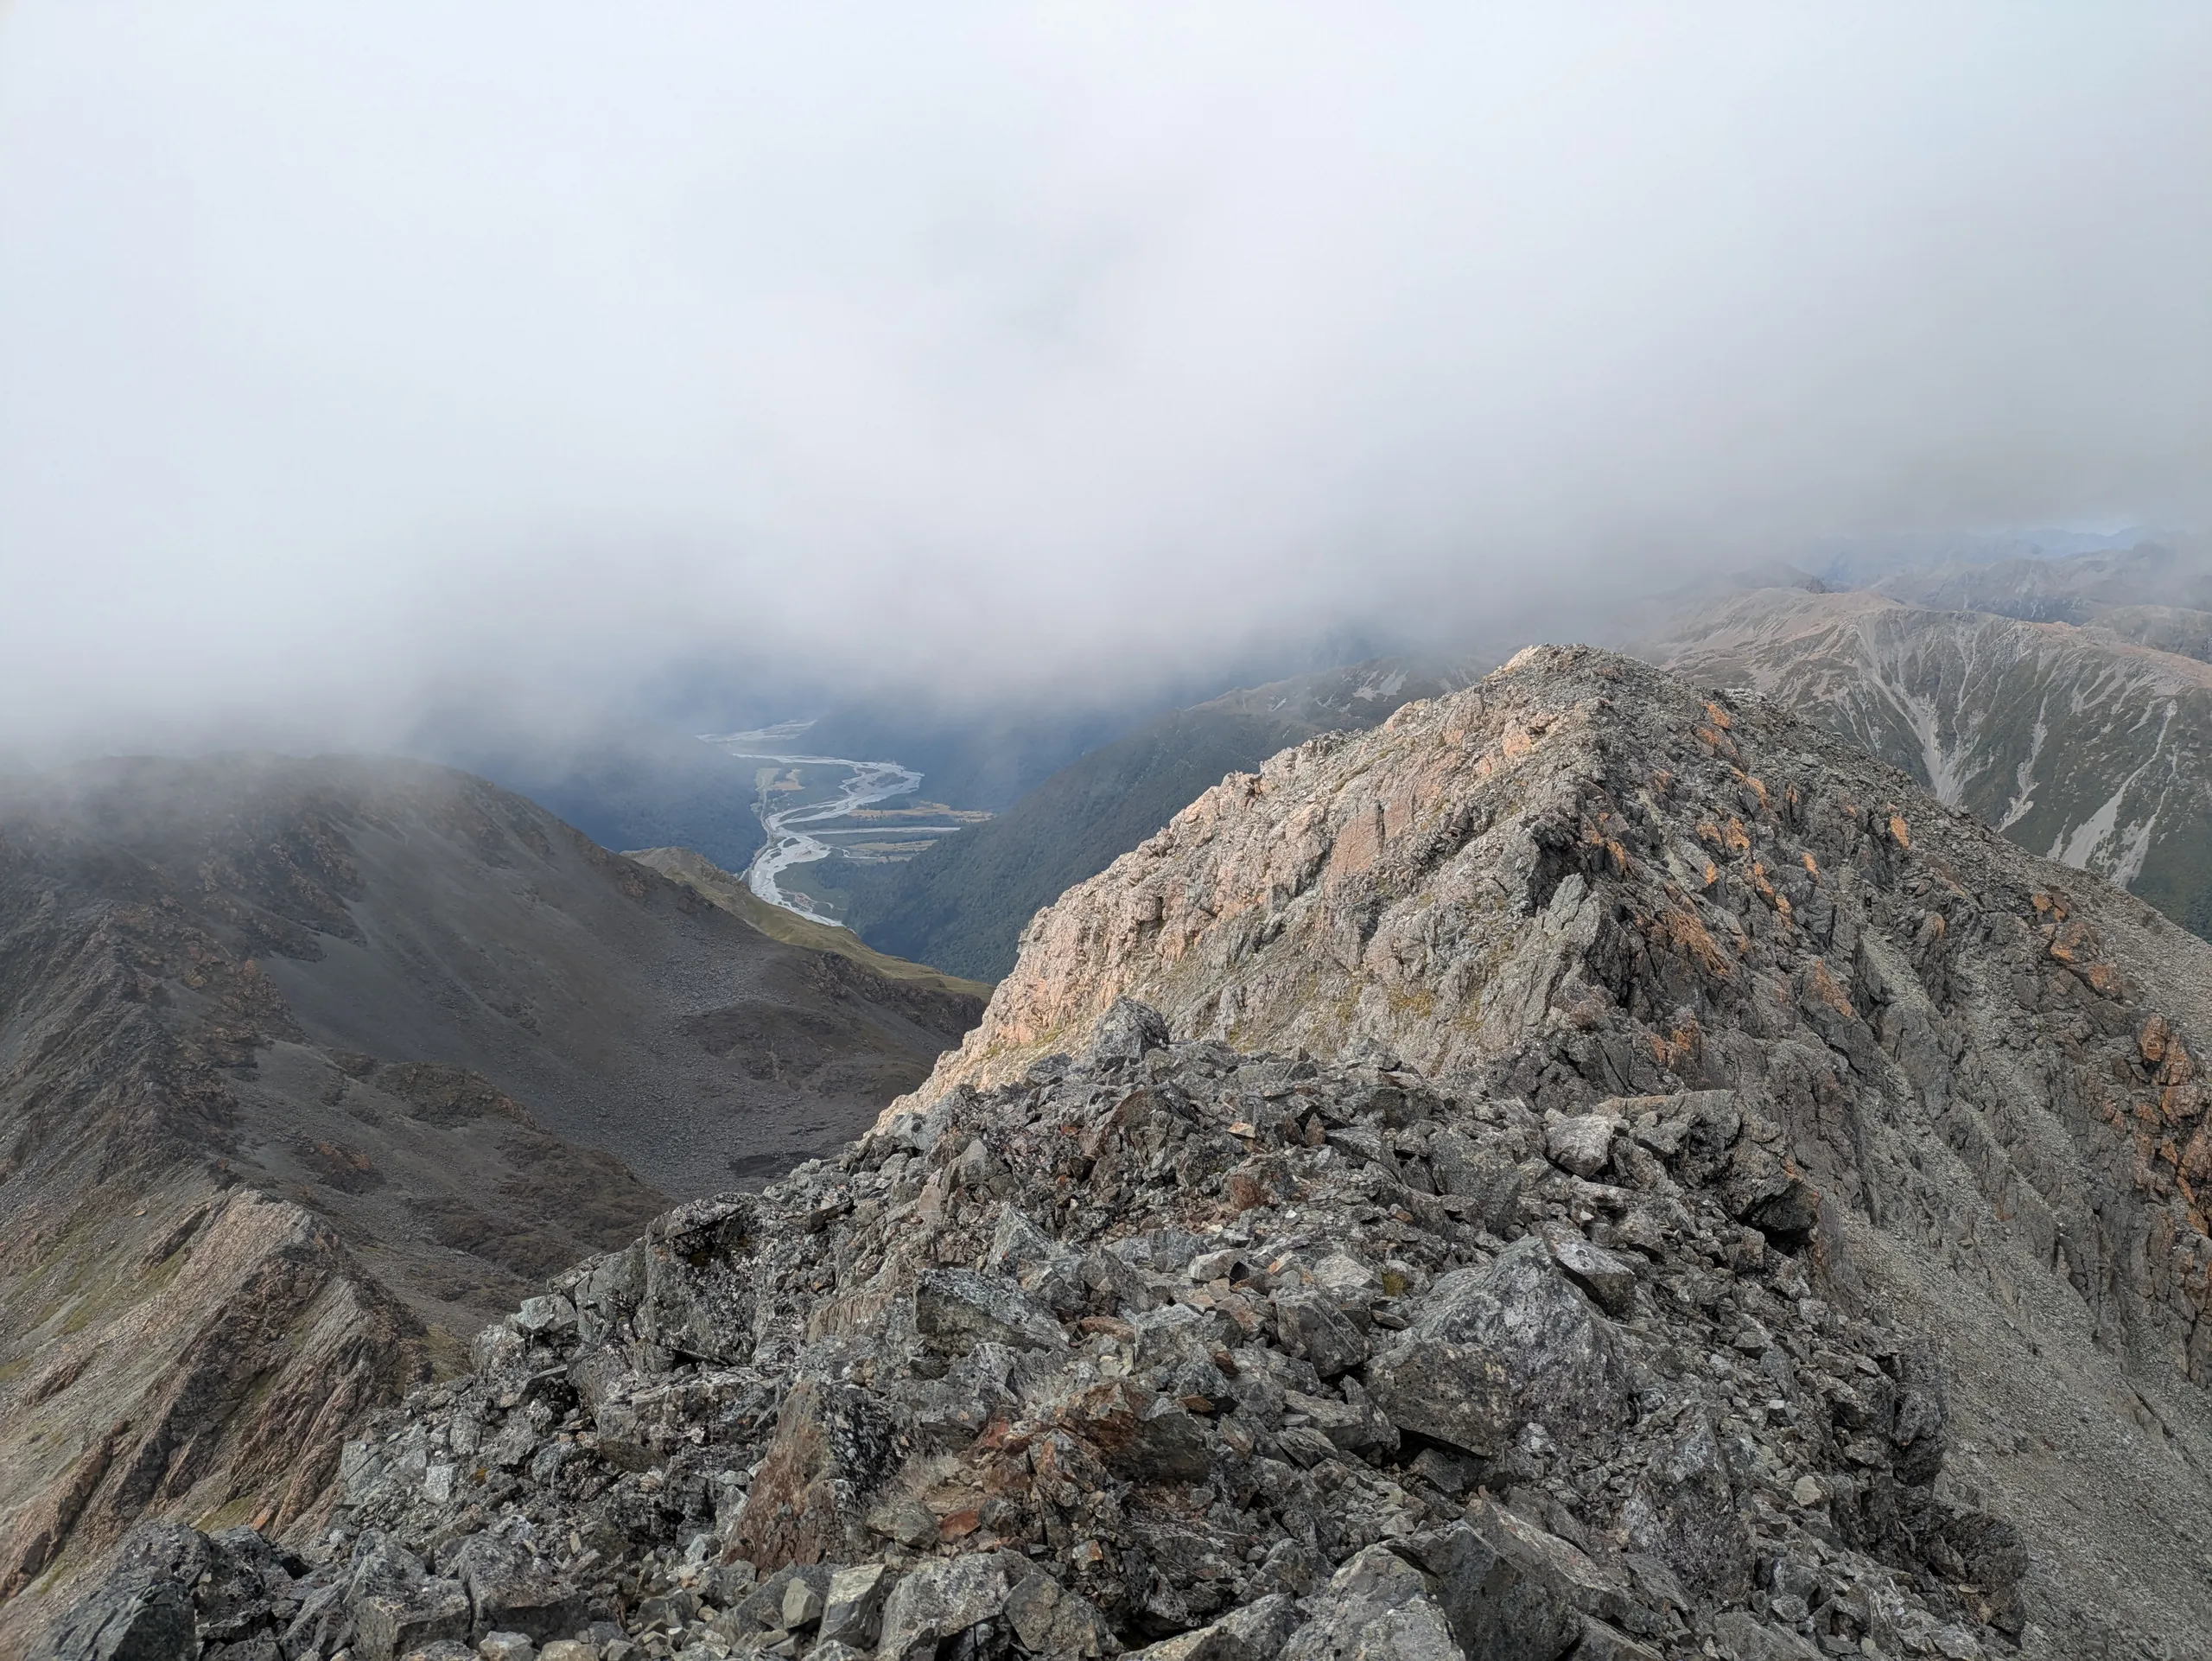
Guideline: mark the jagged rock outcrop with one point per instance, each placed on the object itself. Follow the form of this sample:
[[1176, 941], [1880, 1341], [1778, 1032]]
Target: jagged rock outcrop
[[1175, 1350], [1583, 878], [963, 901]]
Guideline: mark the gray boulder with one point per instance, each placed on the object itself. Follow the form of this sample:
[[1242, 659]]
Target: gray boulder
[[547, 1317], [762, 1608], [1046, 1271], [1255, 1632], [1353, 1423], [1511, 1591], [1128, 1030], [1493, 1348], [1739, 1636], [142, 1610], [392, 1622], [961, 1309], [697, 1299], [942, 1599], [511, 1590], [1314, 1330], [1607, 1278], [1603, 1643], [1583, 1144], [1049, 1619], [1683, 1511], [1378, 1607], [1485, 1177], [852, 1607]]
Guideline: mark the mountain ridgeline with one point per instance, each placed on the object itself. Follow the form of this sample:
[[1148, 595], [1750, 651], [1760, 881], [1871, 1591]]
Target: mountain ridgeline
[[1590, 1169], [1583, 878], [2088, 746], [307, 1069]]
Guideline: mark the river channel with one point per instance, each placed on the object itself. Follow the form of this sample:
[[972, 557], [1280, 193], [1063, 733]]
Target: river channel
[[795, 833]]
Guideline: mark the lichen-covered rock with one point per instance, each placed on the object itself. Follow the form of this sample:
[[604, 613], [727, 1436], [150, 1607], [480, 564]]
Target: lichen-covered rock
[[144, 1612], [835, 1448], [1581, 1143], [1017, 1414], [1311, 1327], [1376, 1608], [960, 1309], [1494, 1348], [511, 1589], [940, 1600], [1513, 1592], [696, 1297], [1683, 1511]]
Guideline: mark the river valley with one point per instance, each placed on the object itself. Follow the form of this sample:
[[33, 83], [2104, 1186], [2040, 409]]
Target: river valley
[[804, 801]]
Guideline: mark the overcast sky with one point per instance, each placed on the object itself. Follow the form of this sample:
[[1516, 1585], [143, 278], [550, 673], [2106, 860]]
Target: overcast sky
[[352, 355]]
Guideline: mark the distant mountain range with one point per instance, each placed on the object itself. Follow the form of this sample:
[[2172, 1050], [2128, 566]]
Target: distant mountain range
[[2064, 702], [2084, 588]]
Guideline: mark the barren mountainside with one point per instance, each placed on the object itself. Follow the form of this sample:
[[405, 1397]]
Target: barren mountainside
[[2081, 744], [308, 1068], [1590, 1170]]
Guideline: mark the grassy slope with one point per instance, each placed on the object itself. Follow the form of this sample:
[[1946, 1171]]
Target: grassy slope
[[696, 871]]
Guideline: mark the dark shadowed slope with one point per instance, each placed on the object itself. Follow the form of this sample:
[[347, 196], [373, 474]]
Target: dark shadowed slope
[[306, 1067]]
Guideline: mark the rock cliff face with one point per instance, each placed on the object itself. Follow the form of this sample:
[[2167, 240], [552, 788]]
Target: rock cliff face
[[964, 902], [263, 1026], [1598, 1169], [2075, 742]]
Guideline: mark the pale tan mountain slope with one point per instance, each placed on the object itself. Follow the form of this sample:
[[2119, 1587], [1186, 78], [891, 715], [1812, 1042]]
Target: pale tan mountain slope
[[1583, 878]]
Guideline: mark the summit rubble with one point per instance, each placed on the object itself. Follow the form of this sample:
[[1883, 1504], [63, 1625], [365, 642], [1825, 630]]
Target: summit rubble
[[1170, 1349]]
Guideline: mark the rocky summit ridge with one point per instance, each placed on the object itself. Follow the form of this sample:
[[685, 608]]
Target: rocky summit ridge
[[1593, 1169]]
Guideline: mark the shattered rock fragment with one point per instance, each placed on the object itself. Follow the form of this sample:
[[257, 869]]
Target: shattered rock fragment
[[1493, 1348]]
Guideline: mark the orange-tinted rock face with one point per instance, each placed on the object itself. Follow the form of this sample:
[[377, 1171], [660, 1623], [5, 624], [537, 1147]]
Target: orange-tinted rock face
[[1582, 878]]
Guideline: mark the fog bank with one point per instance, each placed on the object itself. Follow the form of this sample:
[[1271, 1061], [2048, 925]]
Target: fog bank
[[354, 363]]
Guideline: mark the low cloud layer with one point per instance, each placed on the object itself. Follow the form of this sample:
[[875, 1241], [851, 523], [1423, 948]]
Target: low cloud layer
[[354, 358]]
